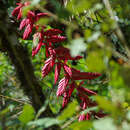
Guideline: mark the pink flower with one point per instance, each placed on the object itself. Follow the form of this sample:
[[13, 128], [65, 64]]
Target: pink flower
[[65, 99], [68, 70], [48, 66], [82, 117], [37, 43], [18, 10], [62, 86], [67, 94], [71, 89], [29, 22], [27, 31], [57, 71], [36, 50]]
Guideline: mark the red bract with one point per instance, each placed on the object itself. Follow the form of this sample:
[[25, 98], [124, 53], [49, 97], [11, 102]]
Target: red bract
[[27, 31], [55, 39], [51, 32], [64, 54], [77, 75], [29, 22], [18, 10], [85, 90], [65, 99], [82, 117], [57, 71], [36, 50], [62, 86], [48, 66], [40, 15], [68, 70], [71, 89], [67, 94], [37, 43]]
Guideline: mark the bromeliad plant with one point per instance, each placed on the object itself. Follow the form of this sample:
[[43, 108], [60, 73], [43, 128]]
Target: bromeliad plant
[[58, 57]]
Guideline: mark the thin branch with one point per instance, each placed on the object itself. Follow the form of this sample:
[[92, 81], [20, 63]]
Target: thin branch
[[69, 122], [14, 99]]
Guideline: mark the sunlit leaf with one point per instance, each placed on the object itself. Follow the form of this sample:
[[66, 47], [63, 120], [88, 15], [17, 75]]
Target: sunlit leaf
[[27, 114], [69, 111]]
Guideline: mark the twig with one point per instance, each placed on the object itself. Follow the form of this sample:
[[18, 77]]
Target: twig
[[69, 122], [13, 99]]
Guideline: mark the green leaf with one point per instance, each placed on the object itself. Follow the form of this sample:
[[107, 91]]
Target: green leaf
[[43, 21], [69, 111], [27, 114], [108, 106], [95, 61], [104, 124], [83, 125]]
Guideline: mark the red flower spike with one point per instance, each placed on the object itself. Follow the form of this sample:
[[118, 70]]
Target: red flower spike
[[88, 116], [77, 75], [67, 69], [27, 31], [62, 85], [23, 24], [36, 50], [82, 117], [37, 43], [57, 71], [51, 32], [20, 14], [16, 11], [48, 66], [31, 15], [65, 99], [85, 90], [47, 52], [71, 89], [67, 94]]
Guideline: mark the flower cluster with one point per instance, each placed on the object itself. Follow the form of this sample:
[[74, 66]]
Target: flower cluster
[[57, 57]]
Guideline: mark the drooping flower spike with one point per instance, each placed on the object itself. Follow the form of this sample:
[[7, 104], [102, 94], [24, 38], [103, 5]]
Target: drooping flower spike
[[58, 57], [18, 10]]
